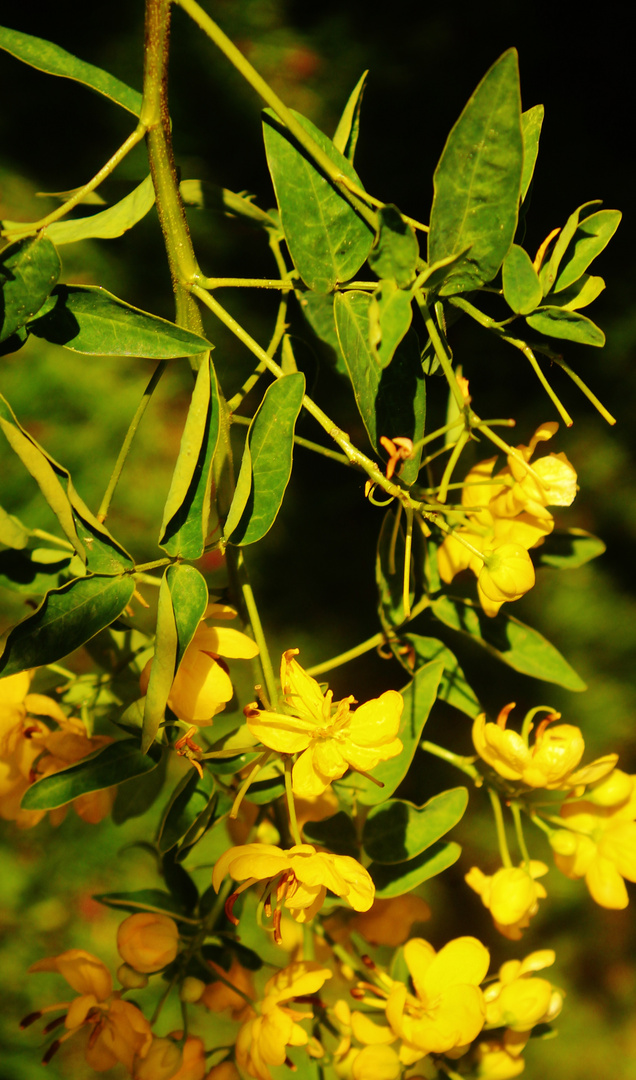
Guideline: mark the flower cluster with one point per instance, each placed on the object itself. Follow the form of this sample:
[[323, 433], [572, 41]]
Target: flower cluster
[[30, 749], [511, 895], [503, 517], [329, 737]]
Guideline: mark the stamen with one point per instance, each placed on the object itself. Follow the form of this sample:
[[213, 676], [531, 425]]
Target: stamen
[[229, 905], [30, 1019], [53, 1049], [52, 1024]]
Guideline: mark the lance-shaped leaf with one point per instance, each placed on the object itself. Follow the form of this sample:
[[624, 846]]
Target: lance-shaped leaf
[[318, 311], [183, 598], [396, 251], [346, 135], [414, 650], [569, 325], [336, 833], [267, 461], [107, 224], [327, 240], [531, 123], [403, 877], [88, 319], [66, 619], [509, 640], [92, 540], [390, 315], [137, 795], [154, 900], [191, 797], [477, 182], [397, 830], [391, 401], [521, 286], [550, 268], [187, 511], [28, 271], [419, 696], [107, 767], [50, 58], [578, 245], [568, 549], [33, 572], [12, 532]]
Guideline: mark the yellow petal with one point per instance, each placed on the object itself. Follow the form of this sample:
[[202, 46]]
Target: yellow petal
[[286, 734], [606, 884], [377, 721], [224, 641], [302, 692], [463, 960]]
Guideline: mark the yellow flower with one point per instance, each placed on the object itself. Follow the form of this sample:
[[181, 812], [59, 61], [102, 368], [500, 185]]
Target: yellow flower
[[447, 1011], [550, 763], [263, 1040], [120, 1031], [193, 1063], [202, 685], [511, 895], [218, 996], [519, 1000], [599, 844], [148, 941], [504, 511], [329, 738], [500, 1059], [297, 879], [161, 1062]]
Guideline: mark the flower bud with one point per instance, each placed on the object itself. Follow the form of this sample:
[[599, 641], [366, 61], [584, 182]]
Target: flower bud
[[148, 941], [131, 979], [563, 842], [507, 573], [191, 989], [161, 1062], [225, 1070], [613, 789]]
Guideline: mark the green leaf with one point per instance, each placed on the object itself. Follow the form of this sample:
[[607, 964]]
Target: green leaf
[[327, 240], [29, 269], [404, 877], [569, 325], [163, 668], [395, 252], [419, 697], [33, 572], [391, 401], [592, 235], [189, 594], [454, 687], [531, 123], [521, 286], [91, 539], [318, 310], [509, 640], [267, 461], [435, 276], [580, 294], [390, 315], [12, 532], [155, 900], [397, 830], [477, 182], [88, 319], [568, 549], [336, 833], [66, 619], [549, 270], [184, 527], [136, 796], [190, 798], [107, 224], [345, 139], [53, 60], [107, 767]]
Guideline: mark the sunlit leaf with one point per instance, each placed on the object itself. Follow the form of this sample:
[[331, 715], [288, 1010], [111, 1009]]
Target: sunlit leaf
[[346, 135], [521, 285], [477, 181], [404, 877], [33, 572], [396, 251], [568, 325], [28, 271], [568, 548], [106, 224], [531, 123], [390, 315], [107, 767]]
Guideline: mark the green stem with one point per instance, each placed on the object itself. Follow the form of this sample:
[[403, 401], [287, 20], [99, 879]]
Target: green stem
[[521, 840], [465, 764], [257, 629], [43, 535], [355, 195], [130, 434], [291, 805], [441, 353], [450, 465], [406, 580], [246, 283], [350, 654], [495, 802], [307, 444], [585, 390]]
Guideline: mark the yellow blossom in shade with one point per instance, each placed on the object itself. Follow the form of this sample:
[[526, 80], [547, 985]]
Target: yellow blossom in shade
[[202, 685], [599, 844], [161, 1061], [447, 1010], [220, 995], [500, 1059], [148, 941], [296, 879], [389, 922], [263, 1040], [511, 895], [549, 763], [329, 737], [225, 1070], [193, 1063], [518, 1000], [119, 1030]]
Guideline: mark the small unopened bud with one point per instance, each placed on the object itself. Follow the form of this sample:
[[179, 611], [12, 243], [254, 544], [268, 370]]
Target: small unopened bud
[[563, 842], [131, 979], [191, 989]]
